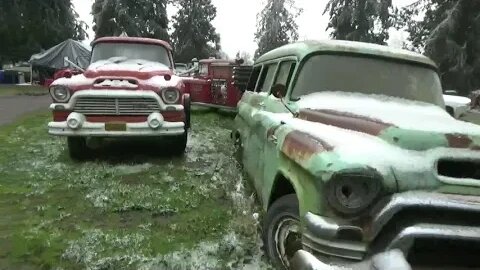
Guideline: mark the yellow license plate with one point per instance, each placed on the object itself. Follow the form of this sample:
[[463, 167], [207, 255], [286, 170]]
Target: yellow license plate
[[116, 126]]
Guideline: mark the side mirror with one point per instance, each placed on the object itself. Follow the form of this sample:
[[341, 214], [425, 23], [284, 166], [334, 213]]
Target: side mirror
[[279, 91]]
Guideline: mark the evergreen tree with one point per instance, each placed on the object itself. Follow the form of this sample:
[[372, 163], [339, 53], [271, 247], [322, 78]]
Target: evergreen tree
[[276, 25], [30, 26], [194, 35], [360, 20], [449, 33], [136, 18]]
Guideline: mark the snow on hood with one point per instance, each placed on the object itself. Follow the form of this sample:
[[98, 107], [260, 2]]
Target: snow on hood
[[76, 80], [403, 113], [156, 81], [360, 148], [124, 64], [456, 100], [116, 83]]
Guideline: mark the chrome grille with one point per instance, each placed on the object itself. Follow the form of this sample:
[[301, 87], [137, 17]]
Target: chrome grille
[[116, 106]]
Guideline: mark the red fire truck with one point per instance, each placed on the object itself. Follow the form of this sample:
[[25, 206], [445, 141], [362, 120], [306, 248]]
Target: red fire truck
[[212, 86]]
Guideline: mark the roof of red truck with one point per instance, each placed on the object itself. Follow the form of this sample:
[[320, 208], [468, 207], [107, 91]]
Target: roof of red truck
[[216, 61], [138, 40]]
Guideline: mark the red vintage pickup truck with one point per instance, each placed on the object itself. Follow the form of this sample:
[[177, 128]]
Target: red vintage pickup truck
[[129, 90]]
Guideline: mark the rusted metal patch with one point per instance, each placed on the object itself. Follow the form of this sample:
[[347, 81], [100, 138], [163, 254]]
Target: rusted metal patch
[[301, 146], [459, 141], [345, 120]]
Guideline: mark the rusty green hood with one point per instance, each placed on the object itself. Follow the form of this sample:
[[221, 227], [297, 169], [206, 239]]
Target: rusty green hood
[[403, 140]]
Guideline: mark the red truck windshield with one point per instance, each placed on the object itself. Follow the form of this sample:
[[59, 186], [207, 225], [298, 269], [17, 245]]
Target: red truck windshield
[[154, 53]]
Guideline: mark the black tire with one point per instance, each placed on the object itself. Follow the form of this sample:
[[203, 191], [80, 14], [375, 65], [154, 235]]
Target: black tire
[[187, 107], [238, 148], [77, 148], [179, 144], [282, 214]]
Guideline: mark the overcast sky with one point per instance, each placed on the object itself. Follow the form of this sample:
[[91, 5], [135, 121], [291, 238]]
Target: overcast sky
[[236, 22]]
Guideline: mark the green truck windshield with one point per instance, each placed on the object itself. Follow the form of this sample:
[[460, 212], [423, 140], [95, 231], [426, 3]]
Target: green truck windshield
[[360, 74]]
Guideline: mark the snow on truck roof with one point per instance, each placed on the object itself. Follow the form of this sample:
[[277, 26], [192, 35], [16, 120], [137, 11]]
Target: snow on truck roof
[[217, 61], [132, 40], [306, 48]]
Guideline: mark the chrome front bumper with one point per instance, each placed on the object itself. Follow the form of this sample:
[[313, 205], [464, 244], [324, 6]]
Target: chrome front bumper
[[327, 237], [83, 128], [391, 260]]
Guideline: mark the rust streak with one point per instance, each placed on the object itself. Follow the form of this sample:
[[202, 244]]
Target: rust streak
[[345, 120], [300, 145], [459, 141]]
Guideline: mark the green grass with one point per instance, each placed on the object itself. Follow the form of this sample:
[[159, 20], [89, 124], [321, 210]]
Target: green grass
[[127, 209], [18, 90]]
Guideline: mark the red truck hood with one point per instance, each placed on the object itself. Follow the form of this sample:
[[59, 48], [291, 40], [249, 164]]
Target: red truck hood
[[144, 75]]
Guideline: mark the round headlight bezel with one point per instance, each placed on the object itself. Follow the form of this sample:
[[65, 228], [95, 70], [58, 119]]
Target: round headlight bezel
[[353, 192], [53, 93], [167, 99]]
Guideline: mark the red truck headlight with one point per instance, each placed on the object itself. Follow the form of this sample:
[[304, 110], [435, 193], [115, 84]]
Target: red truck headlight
[[60, 93], [170, 95]]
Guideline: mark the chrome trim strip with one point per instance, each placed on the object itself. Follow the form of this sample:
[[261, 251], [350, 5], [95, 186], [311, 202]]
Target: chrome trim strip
[[391, 260], [344, 249], [382, 214], [405, 239], [327, 228]]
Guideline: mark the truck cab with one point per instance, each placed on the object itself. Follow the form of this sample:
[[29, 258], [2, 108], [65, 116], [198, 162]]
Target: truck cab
[[129, 90]]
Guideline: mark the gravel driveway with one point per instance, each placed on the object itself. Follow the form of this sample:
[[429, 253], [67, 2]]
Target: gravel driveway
[[13, 107]]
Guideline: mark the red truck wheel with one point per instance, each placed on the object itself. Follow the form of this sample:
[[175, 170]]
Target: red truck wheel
[[187, 108], [179, 143], [77, 148]]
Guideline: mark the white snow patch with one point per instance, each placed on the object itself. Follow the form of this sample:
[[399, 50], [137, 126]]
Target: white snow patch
[[116, 83], [127, 65], [456, 100], [160, 82], [76, 80], [132, 169], [403, 113]]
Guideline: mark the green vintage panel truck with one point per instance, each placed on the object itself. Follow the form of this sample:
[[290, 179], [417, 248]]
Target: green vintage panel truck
[[352, 153]]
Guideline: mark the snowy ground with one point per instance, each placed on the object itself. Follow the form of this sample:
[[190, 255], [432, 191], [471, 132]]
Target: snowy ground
[[130, 209]]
